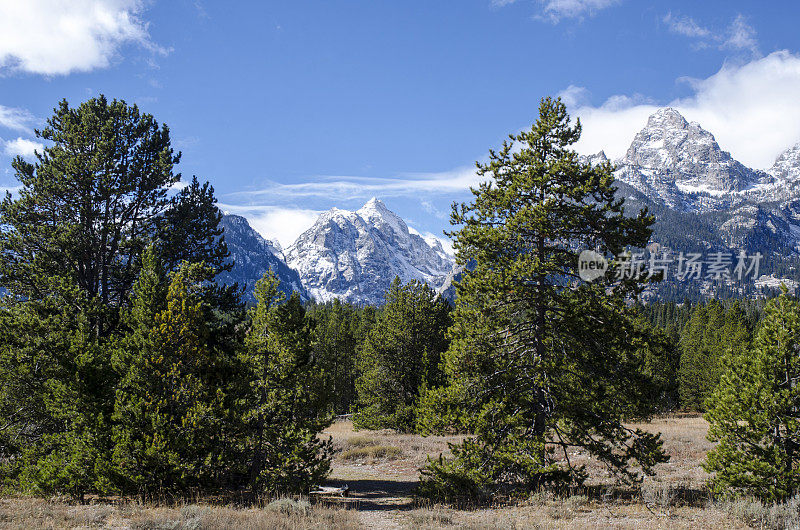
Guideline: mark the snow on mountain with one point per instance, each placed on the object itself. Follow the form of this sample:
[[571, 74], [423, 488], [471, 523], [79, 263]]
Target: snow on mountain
[[355, 255], [786, 170], [681, 164], [702, 197], [704, 200], [252, 256]]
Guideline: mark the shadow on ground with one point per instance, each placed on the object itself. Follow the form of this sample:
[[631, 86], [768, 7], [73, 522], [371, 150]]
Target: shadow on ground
[[374, 495]]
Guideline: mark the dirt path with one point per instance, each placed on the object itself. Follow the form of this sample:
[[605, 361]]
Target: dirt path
[[380, 488], [379, 496]]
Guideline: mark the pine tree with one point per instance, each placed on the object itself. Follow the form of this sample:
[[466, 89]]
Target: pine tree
[[190, 229], [540, 359], [336, 340], [754, 413], [70, 252], [89, 205], [284, 409], [711, 331], [400, 357], [55, 396], [169, 408]]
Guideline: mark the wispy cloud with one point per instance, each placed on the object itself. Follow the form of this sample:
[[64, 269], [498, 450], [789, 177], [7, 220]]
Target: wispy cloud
[[16, 119], [737, 36], [351, 187], [433, 210], [741, 36], [751, 108], [22, 147], [686, 26], [557, 10], [54, 37]]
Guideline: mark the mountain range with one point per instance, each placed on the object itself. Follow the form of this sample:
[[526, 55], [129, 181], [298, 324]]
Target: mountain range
[[252, 256], [703, 200], [353, 256]]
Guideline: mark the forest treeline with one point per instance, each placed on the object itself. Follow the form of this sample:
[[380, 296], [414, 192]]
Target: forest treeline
[[126, 368]]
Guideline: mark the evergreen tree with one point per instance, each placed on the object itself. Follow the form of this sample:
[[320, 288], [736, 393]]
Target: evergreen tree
[[190, 229], [55, 395], [169, 406], [337, 337], [754, 413], [699, 364], [70, 251], [540, 359], [401, 356], [284, 412], [94, 200], [710, 332], [88, 207]]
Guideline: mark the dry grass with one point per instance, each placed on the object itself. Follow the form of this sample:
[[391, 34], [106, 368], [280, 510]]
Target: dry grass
[[675, 498], [565, 513], [285, 514], [382, 468], [371, 452], [401, 454]]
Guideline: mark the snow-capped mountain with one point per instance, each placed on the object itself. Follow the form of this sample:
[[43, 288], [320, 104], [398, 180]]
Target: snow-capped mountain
[[786, 170], [252, 256], [682, 165], [354, 256], [705, 200]]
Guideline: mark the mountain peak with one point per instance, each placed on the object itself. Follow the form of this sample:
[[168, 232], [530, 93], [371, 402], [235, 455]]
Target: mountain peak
[[374, 202], [356, 255], [252, 255], [667, 116], [787, 165], [374, 206], [376, 213], [670, 155]]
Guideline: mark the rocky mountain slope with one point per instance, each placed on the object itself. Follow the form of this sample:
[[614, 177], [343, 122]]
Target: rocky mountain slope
[[706, 201], [703, 199], [253, 256], [355, 255]]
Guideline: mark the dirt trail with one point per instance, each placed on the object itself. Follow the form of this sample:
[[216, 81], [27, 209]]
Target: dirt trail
[[380, 498], [380, 488]]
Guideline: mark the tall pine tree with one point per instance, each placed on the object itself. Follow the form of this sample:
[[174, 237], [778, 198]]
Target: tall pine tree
[[540, 359], [755, 411], [170, 407], [401, 357], [283, 409]]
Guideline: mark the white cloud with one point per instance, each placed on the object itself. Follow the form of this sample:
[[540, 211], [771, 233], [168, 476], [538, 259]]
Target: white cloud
[[433, 210], [22, 147], [574, 96], [685, 26], [349, 187], [557, 10], [277, 223], [16, 119], [751, 108], [737, 36], [741, 36], [56, 37]]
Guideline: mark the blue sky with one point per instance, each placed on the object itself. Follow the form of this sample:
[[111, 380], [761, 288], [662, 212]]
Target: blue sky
[[290, 108]]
